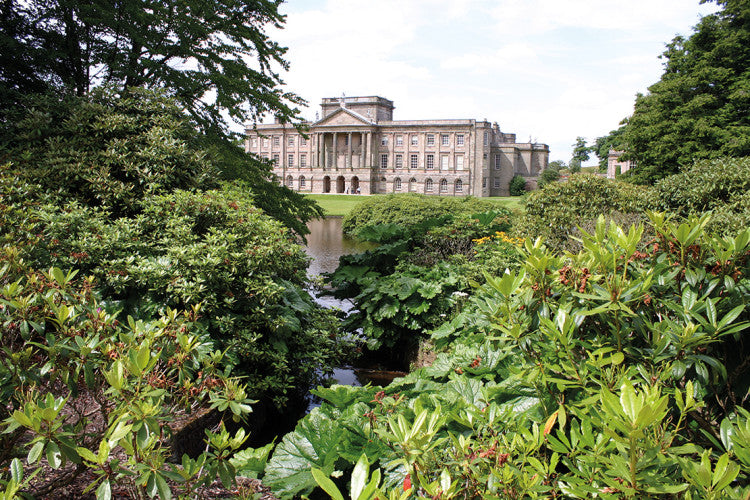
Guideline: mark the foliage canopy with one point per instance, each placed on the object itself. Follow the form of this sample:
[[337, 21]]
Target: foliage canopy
[[699, 108]]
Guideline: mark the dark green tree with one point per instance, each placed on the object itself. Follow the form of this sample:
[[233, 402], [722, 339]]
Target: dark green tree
[[213, 58], [701, 106], [580, 154]]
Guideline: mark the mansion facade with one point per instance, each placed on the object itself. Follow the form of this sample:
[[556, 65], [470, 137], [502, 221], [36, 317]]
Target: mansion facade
[[357, 147]]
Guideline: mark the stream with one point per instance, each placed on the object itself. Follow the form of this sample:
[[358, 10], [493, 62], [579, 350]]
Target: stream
[[325, 244]]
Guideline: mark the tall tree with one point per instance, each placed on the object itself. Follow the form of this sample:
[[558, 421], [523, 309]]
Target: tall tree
[[212, 56], [701, 106], [580, 154]]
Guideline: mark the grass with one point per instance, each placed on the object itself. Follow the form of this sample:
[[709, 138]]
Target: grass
[[342, 204], [337, 204]]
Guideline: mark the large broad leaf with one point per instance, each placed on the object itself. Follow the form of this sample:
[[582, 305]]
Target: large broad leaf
[[341, 396], [314, 443], [466, 389]]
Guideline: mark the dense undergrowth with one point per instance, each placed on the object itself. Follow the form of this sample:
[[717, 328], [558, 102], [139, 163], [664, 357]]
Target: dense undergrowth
[[617, 371], [139, 294]]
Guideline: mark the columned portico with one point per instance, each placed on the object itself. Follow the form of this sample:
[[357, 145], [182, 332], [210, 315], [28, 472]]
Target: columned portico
[[357, 135]]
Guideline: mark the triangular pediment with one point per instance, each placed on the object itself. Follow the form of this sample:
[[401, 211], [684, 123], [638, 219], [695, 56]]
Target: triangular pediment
[[343, 117]]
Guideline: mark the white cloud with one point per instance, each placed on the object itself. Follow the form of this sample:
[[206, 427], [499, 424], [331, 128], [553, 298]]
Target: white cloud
[[550, 69]]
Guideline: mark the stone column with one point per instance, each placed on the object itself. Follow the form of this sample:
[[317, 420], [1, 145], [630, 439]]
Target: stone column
[[325, 152], [335, 153], [349, 151], [361, 150], [368, 157]]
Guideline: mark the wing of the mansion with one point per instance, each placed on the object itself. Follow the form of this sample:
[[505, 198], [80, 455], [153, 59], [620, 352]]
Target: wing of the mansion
[[357, 147]]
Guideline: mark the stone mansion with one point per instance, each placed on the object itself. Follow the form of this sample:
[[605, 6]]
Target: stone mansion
[[357, 147]]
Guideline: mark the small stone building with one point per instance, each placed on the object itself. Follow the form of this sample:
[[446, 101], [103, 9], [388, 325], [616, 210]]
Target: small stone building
[[357, 147], [615, 166]]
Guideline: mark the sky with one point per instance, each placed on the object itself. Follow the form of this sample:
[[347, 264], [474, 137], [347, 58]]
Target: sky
[[546, 70]]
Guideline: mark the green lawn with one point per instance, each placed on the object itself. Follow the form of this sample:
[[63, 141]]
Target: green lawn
[[337, 204], [341, 204]]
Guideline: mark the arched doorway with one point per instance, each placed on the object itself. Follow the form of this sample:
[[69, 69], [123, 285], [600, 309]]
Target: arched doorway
[[355, 185], [340, 184], [326, 184]]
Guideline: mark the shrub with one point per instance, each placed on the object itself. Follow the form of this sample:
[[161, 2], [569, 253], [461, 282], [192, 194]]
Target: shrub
[[517, 185], [708, 185], [212, 248], [91, 394], [612, 372], [409, 209], [549, 174], [554, 211], [106, 150]]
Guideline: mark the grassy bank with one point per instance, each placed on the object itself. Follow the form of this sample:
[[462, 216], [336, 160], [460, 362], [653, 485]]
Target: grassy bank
[[342, 204]]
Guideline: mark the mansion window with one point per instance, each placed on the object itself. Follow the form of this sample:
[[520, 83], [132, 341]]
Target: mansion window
[[484, 182], [412, 185], [430, 139], [460, 140], [303, 161], [430, 162], [384, 161], [484, 156], [399, 140], [497, 183], [302, 184], [498, 162], [445, 140], [290, 142], [264, 142], [459, 162], [428, 185], [254, 142], [486, 137], [276, 158], [399, 161], [383, 141], [415, 140], [276, 141], [444, 165], [443, 186], [302, 141], [413, 161], [290, 161], [289, 181], [397, 184], [459, 186]]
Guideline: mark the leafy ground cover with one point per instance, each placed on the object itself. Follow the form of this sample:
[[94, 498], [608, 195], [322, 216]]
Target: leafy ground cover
[[617, 371]]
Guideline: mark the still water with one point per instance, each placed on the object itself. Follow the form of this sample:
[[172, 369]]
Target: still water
[[325, 244]]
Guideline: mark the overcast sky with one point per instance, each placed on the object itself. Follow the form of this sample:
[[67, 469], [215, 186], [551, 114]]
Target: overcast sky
[[549, 70]]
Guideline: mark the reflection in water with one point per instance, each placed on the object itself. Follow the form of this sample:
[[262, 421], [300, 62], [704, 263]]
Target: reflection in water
[[326, 243]]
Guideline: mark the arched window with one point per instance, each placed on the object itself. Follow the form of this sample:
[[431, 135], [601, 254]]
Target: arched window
[[412, 185], [289, 181], [302, 182], [428, 186], [443, 186], [397, 184], [459, 186]]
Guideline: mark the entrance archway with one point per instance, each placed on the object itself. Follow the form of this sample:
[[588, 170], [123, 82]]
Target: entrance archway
[[326, 184], [340, 184], [355, 184]]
